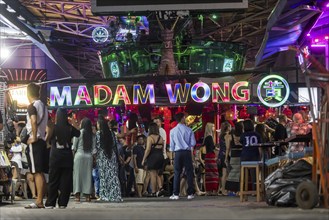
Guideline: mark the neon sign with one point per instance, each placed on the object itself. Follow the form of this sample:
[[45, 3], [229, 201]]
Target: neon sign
[[19, 95], [101, 95], [273, 91]]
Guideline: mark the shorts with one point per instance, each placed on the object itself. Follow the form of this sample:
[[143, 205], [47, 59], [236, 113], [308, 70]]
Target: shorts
[[140, 176], [38, 157]]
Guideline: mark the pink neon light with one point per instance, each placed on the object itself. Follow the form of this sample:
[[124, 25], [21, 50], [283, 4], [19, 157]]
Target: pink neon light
[[318, 45], [245, 93], [217, 92], [316, 40], [326, 37], [308, 35], [327, 5]]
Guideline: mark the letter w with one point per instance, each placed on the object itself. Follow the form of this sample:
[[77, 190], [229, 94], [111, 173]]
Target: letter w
[[178, 93]]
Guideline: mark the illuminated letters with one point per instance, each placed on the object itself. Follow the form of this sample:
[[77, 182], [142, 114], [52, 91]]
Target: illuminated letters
[[121, 94], [138, 94], [194, 92], [102, 95], [66, 94], [82, 95], [218, 92], [245, 92], [97, 95], [178, 93]]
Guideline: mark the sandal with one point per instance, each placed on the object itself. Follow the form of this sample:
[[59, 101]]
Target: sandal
[[35, 206], [200, 193], [77, 197]]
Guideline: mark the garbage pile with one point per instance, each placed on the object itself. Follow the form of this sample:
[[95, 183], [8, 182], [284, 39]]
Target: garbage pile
[[282, 184]]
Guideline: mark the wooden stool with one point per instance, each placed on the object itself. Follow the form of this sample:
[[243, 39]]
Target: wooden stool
[[245, 167]]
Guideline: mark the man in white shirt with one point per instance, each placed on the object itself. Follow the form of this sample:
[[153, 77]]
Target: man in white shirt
[[37, 119]]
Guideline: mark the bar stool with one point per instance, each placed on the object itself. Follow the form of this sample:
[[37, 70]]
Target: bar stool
[[245, 167]]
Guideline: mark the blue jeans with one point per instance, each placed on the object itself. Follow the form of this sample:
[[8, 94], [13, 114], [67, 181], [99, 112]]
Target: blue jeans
[[183, 159], [96, 180]]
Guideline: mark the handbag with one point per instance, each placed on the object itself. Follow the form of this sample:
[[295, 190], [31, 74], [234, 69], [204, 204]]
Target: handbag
[[24, 136], [25, 165]]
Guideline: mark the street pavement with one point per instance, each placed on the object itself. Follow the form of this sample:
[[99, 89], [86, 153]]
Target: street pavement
[[205, 207]]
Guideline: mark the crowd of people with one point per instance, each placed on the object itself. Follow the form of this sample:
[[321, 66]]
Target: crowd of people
[[63, 157]]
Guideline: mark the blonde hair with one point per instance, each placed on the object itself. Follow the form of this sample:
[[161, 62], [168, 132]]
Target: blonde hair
[[209, 130]]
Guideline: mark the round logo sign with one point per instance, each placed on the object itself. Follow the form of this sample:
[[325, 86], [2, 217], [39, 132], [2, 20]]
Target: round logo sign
[[100, 34], [273, 91]]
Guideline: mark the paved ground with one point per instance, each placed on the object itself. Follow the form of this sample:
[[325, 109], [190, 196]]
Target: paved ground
[[219, 207]]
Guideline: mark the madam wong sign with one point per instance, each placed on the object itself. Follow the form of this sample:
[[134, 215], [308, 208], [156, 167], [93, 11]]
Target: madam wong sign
[[136, 94]]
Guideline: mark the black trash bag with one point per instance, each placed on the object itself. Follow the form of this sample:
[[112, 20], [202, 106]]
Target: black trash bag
[[300, 169], [282, 192], [282, 184], [277, 174]]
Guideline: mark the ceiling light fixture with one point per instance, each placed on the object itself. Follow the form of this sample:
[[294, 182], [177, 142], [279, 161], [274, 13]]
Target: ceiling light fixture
[[4, 52]]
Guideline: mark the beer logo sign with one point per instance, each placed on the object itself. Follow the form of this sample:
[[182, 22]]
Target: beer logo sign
[[100, 35], [273, 91]]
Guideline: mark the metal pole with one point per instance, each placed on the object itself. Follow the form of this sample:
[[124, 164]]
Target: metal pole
[[39, 83]]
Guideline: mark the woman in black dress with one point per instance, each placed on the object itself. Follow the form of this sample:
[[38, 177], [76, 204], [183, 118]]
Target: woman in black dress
[[153, 157]]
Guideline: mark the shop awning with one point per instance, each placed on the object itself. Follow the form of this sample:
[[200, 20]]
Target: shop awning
[[288, 25]]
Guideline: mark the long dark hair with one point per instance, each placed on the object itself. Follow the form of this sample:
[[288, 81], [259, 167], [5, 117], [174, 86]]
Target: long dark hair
[[261, 129], [153, 128], [238, 128], [248, 125], [133, 119], [106, 139], [62, 127], [87, 134], [224, 128]]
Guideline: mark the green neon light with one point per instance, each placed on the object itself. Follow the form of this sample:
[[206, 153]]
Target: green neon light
[[273, 90]]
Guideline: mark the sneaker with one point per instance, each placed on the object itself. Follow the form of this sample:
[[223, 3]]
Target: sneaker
[[174, 197], [190, 196], [161, 193], [49, 207], [62, 207]]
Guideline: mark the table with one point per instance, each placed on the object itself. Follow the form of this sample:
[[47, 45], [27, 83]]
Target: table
[[300, 138], [294, 138]]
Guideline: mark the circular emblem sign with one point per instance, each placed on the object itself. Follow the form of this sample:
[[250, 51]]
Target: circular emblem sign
[[273, 91], [100, 34]]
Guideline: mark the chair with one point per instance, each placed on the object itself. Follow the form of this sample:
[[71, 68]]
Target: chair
[[244, 192], [18, 180]]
